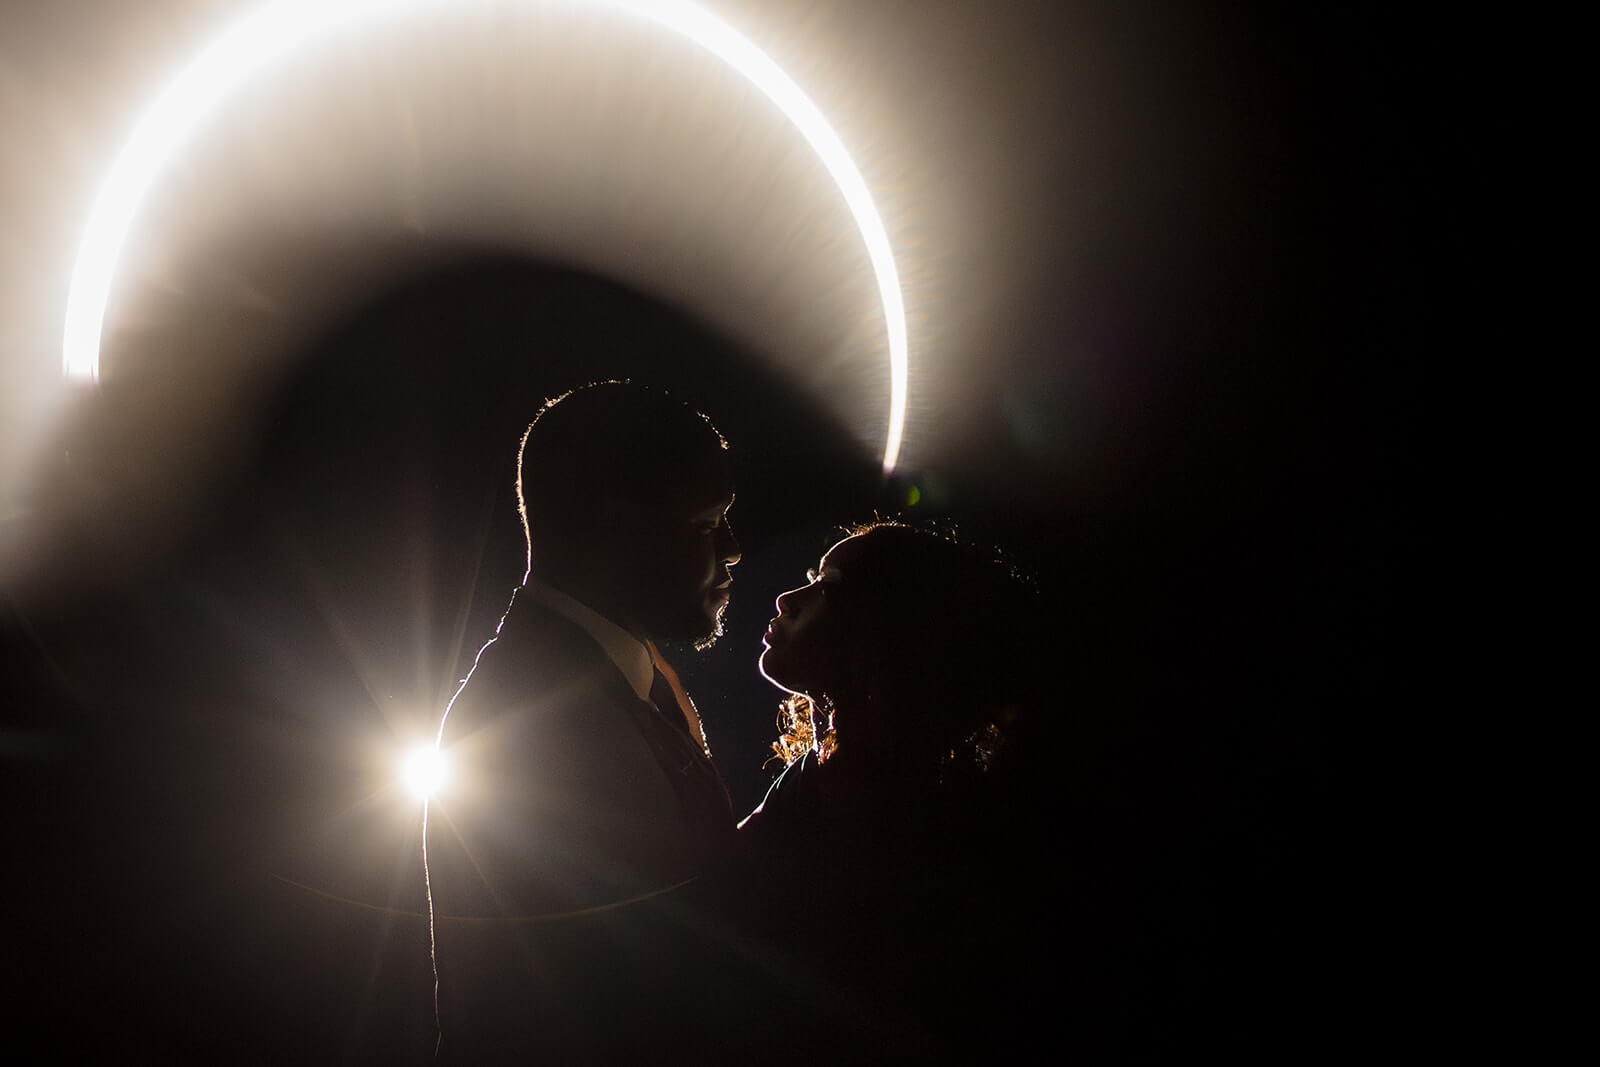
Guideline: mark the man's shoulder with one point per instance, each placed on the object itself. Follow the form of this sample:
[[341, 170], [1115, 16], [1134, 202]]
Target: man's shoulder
[[543, 675], [538, 651]]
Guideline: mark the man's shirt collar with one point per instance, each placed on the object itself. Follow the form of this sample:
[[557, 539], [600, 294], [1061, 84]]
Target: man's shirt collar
[[625, 650]]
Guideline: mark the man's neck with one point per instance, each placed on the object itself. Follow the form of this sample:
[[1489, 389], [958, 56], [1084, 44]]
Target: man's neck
[[631, 655], [592, 595]]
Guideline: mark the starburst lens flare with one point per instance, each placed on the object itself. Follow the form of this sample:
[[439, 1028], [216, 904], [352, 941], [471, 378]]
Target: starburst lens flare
[[425, 771]]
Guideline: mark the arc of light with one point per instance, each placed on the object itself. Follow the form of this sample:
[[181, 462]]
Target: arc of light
[[273, 31]]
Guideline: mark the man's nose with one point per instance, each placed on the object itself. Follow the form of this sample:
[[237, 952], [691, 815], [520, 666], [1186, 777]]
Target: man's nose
[[728, 545]]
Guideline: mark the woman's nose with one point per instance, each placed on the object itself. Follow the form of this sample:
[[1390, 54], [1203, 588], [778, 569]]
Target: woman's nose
[[786, 601]]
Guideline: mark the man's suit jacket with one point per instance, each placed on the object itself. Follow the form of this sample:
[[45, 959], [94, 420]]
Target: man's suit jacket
[[575, 810]]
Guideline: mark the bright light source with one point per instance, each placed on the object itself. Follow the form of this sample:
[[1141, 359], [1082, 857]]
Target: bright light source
[[425, 771], [278, 29]]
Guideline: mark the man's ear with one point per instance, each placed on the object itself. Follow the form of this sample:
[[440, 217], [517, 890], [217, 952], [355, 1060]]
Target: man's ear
[[616, 516]]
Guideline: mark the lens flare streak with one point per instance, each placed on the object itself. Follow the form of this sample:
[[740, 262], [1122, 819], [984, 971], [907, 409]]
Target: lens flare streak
[[271, 33]]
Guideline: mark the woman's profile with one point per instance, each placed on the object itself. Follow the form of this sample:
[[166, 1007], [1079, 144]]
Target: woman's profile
[[893, 855]]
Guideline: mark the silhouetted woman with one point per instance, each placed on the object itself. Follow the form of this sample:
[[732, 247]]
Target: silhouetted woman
[[897, 861]]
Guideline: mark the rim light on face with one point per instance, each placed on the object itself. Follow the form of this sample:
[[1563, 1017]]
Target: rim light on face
[[278, 29]]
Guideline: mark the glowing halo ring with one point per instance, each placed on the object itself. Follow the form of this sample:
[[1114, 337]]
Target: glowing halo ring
[[273, 30]]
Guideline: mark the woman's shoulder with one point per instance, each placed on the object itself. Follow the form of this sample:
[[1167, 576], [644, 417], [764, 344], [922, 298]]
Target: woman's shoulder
[[783, 800], [815, 809]]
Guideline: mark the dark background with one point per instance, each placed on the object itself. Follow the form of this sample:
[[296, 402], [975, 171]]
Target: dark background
[[1193, 423]]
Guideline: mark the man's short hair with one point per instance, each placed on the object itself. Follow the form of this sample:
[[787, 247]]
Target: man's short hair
[[611, 441]]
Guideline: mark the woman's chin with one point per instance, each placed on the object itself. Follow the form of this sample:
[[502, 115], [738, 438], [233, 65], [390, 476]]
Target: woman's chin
[[773, 672]]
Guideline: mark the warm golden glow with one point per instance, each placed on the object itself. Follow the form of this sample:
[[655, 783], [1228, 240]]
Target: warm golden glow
[[276, 30]]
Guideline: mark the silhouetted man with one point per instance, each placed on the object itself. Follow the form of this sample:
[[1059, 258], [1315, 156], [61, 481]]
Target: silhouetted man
[[584, 793]]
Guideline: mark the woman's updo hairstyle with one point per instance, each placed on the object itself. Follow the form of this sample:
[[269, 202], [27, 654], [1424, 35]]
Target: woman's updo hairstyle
[[938, 638]]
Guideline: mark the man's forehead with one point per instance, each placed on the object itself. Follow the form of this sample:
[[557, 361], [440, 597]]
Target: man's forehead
[[706, 499], [692, 495]]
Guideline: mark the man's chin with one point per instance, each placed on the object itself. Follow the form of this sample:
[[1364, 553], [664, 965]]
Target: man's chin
[[706, 640], [700, 630]]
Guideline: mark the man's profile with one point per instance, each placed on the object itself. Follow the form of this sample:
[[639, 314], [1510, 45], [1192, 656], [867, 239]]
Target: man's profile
[[584, 783]]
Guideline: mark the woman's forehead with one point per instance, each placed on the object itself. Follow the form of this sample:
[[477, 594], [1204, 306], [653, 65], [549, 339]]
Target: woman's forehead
[[843, 553]]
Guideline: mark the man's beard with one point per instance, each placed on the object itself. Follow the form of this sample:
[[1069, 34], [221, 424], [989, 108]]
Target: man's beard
[[702, 643]]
